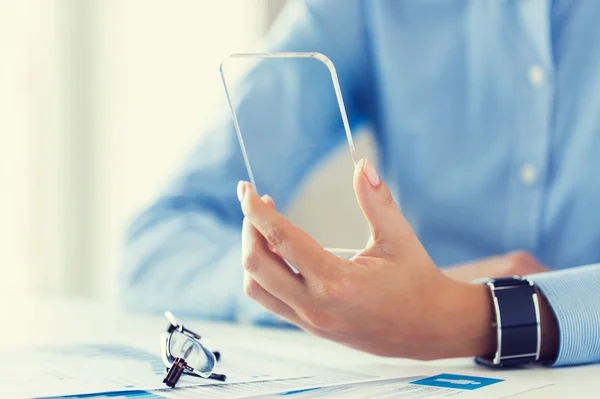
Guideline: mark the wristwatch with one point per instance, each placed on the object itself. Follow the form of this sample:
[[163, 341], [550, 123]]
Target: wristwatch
[[517, 322]]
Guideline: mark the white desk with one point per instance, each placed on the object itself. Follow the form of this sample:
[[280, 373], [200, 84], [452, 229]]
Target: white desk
[[61, 321]]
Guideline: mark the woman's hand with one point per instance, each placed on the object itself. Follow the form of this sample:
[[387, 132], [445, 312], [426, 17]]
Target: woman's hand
[[389, 300]]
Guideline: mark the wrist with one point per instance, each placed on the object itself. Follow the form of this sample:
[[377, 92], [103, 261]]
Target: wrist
[[468, 319], [473, 333]]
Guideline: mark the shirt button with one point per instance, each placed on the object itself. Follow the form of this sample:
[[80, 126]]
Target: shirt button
[[528, 174], [537, 76]]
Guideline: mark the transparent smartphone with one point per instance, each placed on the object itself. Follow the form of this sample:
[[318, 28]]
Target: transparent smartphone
[[327, 208]]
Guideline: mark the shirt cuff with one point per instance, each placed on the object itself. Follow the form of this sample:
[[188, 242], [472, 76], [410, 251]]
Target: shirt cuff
[[574, 296]]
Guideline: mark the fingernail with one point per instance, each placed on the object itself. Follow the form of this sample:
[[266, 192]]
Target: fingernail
[[241, 190], [268, 200], [371, 173]]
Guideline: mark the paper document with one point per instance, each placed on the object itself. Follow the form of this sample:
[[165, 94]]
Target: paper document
[[345, 384], [440, 385], [79, 369], [121, 371], [321, 378]]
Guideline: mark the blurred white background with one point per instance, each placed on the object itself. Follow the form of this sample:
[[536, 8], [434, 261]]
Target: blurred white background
[[99, 102]]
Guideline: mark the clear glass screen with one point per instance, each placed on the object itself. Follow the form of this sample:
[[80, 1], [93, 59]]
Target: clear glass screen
[[296, 142]]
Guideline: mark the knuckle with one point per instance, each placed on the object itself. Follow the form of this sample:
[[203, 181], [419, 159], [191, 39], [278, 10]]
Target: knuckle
[[385, 249], [319, 318], [251, 288], [275, 236], [327, 293], [333, 291], [388, 201], [250, 262]]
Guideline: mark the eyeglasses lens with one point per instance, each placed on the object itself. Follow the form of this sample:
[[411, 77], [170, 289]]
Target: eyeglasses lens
[[197, 356]]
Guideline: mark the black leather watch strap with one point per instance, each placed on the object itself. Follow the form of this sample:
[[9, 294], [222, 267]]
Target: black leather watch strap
[[517, 322]]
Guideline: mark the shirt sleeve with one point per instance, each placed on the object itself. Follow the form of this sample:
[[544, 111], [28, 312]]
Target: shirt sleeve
[[183, 252], [574, 296]]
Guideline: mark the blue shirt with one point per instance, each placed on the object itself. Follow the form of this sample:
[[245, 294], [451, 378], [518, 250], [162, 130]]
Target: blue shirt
[[487, 119]]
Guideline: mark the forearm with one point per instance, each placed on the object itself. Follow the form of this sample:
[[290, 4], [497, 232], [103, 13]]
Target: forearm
[[181, 261]]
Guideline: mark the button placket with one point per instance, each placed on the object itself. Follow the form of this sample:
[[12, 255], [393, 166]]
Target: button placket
[[532, 130]]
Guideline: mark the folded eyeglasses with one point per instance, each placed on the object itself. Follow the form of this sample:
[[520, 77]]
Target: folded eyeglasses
[[184, 352]]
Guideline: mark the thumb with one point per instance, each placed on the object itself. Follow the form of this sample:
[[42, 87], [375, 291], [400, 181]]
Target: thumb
[[388, 226]]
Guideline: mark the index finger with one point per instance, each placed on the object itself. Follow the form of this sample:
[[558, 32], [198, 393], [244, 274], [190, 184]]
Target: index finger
[[290, 242]]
